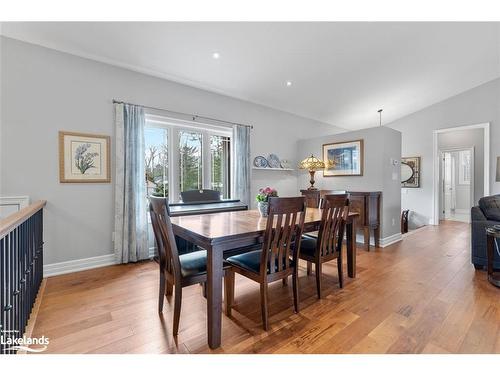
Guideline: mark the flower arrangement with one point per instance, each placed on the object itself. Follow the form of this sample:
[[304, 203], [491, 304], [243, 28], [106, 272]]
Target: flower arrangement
[[265, 193]]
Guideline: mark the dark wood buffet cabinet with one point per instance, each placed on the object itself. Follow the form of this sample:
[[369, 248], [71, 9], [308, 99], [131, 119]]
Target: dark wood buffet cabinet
[[366, 203]]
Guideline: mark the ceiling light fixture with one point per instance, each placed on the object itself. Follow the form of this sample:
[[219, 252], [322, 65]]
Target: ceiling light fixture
[[380, 116], [288, 83], [215, 55]]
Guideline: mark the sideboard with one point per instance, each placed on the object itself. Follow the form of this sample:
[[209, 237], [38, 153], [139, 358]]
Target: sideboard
[[366, 203]]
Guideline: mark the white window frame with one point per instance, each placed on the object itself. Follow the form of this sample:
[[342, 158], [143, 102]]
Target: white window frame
[[173, 128]]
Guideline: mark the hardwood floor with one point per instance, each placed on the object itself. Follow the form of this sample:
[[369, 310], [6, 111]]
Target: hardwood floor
[[420, 295]]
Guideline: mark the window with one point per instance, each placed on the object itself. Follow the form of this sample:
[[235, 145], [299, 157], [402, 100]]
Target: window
[[220, 160], [182, 156], [190, 161], [156, 161]]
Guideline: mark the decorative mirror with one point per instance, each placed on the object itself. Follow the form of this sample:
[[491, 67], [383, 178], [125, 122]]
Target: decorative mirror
[[410, 172], [407, 172]]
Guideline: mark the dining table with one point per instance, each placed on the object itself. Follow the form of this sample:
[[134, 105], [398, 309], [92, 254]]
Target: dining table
[[224, 231]]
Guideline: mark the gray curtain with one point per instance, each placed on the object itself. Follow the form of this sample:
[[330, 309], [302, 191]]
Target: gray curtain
[[241, 165], [130, 191]]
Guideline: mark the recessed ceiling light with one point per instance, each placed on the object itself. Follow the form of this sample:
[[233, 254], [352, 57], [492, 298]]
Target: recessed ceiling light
[[288, 83], [215, 55]]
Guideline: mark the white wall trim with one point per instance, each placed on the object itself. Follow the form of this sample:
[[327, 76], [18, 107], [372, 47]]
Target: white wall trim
[[78, 265], [384, 242], [436, 159]]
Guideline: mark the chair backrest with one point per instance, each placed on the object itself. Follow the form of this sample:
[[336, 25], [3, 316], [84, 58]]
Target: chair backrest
[[165, 239], [203, 195], [285, 223], [331, 229], [323, 193]]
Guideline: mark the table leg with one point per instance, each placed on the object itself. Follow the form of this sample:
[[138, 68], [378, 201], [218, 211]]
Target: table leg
[[351, 249], [214, 297], [376, 234]]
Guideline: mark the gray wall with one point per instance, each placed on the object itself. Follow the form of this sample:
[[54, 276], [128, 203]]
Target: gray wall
[[381, 144], [44, 91], [465, 139], [478, 105]]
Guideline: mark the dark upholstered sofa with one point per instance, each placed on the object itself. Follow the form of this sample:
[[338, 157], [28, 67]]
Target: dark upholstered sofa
[[483, 216]]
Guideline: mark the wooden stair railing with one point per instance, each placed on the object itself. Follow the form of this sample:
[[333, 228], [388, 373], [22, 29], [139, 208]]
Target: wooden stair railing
[[21, 270]]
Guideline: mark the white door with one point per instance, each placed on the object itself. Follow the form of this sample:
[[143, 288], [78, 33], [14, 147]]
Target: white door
[[457, 182], [448, 184]]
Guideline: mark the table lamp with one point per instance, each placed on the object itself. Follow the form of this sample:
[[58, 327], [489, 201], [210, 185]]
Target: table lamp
[[312, 164]]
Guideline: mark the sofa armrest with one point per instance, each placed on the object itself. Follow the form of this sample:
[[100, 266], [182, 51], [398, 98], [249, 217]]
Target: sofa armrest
[[477, 214], [478, 242]]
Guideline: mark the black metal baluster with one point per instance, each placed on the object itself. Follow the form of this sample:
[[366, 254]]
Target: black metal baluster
[[2, 291], [21, 274]]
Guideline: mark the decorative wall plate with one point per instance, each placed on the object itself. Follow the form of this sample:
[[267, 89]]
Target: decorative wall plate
[[274, 161], [260, 162]]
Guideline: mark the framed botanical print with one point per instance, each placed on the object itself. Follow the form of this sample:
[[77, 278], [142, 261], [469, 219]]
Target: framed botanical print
[[410, 172], [84, 157], [343, 158]]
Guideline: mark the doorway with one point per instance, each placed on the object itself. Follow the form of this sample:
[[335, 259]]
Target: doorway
[[437, 189], [457, 184]]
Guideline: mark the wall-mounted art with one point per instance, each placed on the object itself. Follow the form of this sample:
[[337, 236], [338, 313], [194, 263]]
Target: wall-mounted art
[[343, 158], [84, 157], [410, 172]]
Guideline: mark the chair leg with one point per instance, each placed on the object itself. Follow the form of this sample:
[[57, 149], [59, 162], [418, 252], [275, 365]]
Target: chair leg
[[317, 270], [177, 307], [295, 284], [229, 291], [263, 305], [309, 268], [285, 281], [161, 294], [170, 288], [204, 289], [340, 271]]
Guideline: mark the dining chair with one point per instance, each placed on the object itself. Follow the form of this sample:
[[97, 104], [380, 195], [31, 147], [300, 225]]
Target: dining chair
[[176, 271], [320, 204], [277, 258], [328, 245]]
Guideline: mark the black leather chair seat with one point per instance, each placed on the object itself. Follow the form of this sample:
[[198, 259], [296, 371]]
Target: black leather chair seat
[[308, 246], [251, 261], [193, 263]]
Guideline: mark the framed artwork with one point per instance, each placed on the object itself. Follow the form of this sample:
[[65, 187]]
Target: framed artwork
[[410, 172], [84, 157], [343, 158]]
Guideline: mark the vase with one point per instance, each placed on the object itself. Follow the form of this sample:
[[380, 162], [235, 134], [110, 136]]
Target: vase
[[263, 208]]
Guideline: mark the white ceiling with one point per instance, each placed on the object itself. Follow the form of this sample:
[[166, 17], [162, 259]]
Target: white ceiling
[[342, 73]]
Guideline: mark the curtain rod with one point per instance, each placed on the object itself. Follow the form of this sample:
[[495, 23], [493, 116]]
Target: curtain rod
[[182, 113]]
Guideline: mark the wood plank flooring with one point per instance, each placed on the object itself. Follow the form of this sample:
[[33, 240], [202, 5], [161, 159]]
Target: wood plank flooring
[[420, 295]]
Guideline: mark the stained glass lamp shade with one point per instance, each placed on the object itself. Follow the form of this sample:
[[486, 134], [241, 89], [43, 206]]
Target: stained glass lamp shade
[[312, 164]]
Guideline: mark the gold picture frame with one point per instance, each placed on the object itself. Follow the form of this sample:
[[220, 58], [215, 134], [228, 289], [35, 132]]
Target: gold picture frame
[[84, 158], [337, 165]]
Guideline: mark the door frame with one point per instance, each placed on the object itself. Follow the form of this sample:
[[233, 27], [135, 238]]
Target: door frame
[[436, 161], [442, 151]]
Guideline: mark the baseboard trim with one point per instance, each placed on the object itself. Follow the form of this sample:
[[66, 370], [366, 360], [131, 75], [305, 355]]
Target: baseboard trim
[[386, 241], [78, 265]]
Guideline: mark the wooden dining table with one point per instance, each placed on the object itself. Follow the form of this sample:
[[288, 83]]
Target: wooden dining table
[[224, 231]]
